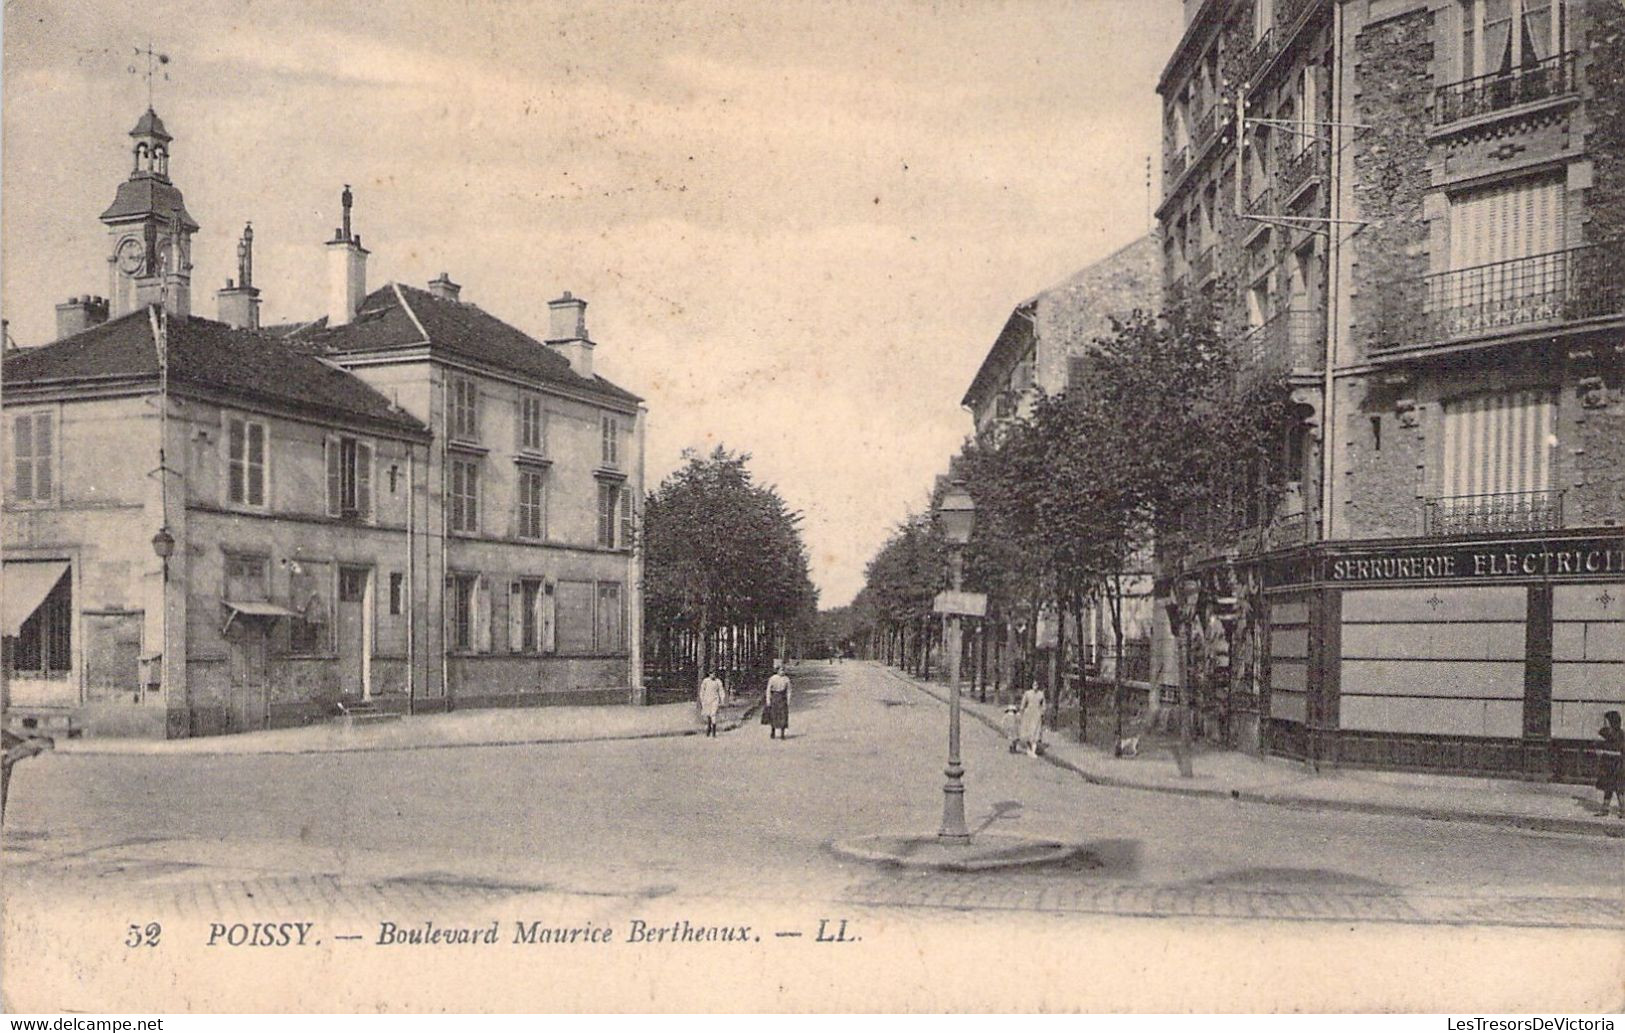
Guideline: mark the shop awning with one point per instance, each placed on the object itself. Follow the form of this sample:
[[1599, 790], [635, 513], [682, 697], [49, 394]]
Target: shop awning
[[25, 586], [266, 611]]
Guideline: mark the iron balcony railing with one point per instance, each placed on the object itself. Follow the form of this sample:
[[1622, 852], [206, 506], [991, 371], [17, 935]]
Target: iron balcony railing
[[1491, 514], [1202, 265], [1288, 342], [1177, 160], [1261, 204], [1553, 77], [1299, 164], [1259, 56], [1571, 285], [1205, 126], [1287, 13]]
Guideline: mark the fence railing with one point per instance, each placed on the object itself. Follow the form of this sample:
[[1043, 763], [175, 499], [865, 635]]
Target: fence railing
[[1290, 341], [1206, 125], [1257, 57], [1494, 513], [1553, 77], [1261, 204], [1177, 160], [1560, 286]]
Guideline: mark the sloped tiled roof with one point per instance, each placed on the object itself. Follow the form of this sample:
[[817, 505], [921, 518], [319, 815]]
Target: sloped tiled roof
[[140, 195], [207, 354], [455, 327]]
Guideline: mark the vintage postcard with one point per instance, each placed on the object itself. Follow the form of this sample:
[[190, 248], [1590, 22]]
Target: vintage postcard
[[817, 506]]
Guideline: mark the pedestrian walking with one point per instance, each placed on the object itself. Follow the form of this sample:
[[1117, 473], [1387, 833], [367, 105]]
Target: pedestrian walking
[[1611, 762], [778, 704], [1032, 718], [711, 693]]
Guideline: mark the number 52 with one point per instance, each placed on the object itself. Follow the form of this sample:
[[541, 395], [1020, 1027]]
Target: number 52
[[143, 936]]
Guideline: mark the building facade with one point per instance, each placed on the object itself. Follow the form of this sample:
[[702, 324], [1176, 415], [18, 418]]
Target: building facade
[[209, 526], [1445, 216]]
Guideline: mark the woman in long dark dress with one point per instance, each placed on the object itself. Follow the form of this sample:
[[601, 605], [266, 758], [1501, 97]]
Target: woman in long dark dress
[[1611, 769], [778, 704]]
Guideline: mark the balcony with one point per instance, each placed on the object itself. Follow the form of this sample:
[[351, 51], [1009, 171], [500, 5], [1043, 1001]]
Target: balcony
[[1261, 205], [1484, 94], [1289, 342], [1205, 126], [1570, 286], [1303, 165], [1259, 56], [1202, 265], [1493, 514], [1177, 160]]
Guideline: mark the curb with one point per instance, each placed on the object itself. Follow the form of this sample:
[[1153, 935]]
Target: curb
[[1574, 826], [722, 726]]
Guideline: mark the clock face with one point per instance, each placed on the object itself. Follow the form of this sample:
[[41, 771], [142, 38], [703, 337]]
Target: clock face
[[131, 255]]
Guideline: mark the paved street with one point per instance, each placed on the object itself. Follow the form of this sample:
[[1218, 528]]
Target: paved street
[[737, 829]]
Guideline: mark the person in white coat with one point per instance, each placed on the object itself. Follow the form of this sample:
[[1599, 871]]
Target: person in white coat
[[1032, 719], [711, 702]]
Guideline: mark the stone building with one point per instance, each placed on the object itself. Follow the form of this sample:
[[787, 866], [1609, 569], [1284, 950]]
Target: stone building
[[1456, 602], [210, 526], [1044, 346]]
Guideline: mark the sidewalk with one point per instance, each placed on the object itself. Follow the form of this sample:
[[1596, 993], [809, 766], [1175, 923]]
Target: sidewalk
[[1228, 774], [503, 727]]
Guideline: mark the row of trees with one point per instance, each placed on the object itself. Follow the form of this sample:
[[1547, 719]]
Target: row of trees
[[726, 582], [1166, 436]]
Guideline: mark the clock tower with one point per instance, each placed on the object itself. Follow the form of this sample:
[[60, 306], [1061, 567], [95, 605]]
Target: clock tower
[[150, 230]]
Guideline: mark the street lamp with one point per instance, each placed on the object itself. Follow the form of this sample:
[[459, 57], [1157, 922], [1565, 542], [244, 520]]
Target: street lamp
[[956, 515], [163, 543]]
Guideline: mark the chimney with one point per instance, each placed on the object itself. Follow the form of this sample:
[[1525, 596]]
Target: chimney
[[238, 304], [346, 270], [567, 332], [77, 315], [442, 288]]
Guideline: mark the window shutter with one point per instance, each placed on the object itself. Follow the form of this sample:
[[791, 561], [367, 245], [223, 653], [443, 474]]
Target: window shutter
[[482, 614], [363, 480], [547, 618], [448, 614], [44, 455], [22, 448], [254, 467], [335, 477], [516, 616], [626, 519]]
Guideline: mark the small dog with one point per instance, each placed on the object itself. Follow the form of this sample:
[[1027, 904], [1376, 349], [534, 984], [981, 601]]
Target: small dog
[[1129, 747]]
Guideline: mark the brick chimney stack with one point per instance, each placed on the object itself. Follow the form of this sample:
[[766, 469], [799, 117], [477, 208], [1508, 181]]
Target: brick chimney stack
[[77, 315], [567, 332], [346, 269], [238, 304], [442, 288]]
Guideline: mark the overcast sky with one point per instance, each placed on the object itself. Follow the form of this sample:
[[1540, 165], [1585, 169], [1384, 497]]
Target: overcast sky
[[799, 226]]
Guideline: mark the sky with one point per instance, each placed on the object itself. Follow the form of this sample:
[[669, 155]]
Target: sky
[[799, 226]]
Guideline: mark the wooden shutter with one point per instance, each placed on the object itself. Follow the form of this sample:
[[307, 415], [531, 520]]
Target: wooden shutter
[[544, 618], [482, 614], [363, 480], [335, 477], [626, 518], [44, 456], [516, 616]]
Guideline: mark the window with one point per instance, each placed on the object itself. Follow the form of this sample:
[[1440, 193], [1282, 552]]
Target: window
[[1263, 18], [610, 426], [609, 512], [43, 647], [575, 605], [626, 519], [1488, 44], [463, 409], [465, 495], [1506, 221], [353, 584], [530, 616], [610, 636], [1307, 103], [245, 458], [349, 478], [532, 424], [1260, 302], [468, 613], [245, 579], [532, 504], [310, 593], [33, 457], [1498, 443], [397, 593]]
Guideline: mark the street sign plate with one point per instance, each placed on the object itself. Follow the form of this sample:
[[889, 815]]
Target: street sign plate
[[966, 604]]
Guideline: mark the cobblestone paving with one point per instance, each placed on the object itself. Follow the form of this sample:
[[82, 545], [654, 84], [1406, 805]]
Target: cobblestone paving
[[1034, 893]]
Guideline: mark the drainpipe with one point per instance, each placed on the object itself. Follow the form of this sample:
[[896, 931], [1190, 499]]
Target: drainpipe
[[411, 578], [1335, 284]]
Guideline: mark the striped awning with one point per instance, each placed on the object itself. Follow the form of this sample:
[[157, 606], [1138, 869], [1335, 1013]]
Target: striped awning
[[25, 586]]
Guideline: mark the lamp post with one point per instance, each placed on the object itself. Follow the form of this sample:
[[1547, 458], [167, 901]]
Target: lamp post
[[956, 514], [163, 543]]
